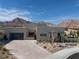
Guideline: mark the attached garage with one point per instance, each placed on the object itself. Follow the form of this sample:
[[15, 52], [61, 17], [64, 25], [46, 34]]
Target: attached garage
[[16, 33], [16, 36]]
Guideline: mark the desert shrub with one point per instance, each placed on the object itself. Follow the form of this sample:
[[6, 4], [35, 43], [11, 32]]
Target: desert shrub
[[78, 33], [7, 56], [44, 40], [1, 46], [45, 47], [70, 39], [3, 52], [4, 49]]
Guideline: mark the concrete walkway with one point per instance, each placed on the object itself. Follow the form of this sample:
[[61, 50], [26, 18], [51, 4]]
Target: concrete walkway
[[27, 49], [64, 54]]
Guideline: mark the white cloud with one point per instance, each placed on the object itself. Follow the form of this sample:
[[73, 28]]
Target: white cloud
[[9, 14]]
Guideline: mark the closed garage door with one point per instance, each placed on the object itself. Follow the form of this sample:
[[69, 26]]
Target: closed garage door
[[16, 36]]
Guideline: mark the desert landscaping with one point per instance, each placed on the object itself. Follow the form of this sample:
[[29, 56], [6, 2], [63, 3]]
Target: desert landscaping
[[5, 53]]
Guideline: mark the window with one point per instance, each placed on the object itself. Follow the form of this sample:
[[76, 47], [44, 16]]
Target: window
[[43, 34], [31, 34]]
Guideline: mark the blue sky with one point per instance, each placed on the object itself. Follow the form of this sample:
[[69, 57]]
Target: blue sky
[[53, 11]]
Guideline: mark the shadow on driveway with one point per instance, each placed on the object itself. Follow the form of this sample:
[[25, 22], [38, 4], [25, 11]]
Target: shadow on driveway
[[74, 56]]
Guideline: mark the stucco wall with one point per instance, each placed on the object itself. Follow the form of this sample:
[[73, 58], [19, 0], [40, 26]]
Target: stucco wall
[[43, 30], [48, 30]]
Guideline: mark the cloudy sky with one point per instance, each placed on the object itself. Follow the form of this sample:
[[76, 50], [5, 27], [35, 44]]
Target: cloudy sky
[[53, 11]]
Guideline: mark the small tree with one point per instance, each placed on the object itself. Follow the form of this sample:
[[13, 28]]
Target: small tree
[[78, 33]]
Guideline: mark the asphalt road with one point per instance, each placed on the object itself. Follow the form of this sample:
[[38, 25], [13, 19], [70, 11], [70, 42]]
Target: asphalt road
[[67, 53], [74, 56]]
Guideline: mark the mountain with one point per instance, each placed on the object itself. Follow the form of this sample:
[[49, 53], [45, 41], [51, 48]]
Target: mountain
[[16, 22], [71, 23], [20, 20], [45, 24]]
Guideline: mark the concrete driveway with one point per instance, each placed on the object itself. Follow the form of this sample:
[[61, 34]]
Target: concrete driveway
[[27, 49]]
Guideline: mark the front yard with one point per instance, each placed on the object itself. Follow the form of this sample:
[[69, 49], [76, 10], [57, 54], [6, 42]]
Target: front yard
[[5, 54], [56, 46]]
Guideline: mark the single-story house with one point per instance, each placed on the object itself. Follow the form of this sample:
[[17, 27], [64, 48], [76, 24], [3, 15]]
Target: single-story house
[[21, 29], [18, 29]]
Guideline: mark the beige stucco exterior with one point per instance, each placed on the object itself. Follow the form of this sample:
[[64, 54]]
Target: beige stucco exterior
[[15, 29], [50, 31], [41, 31]]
